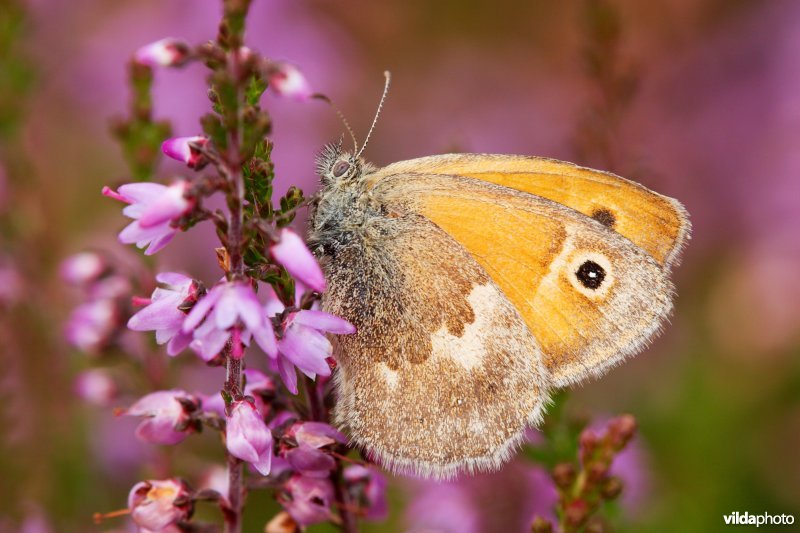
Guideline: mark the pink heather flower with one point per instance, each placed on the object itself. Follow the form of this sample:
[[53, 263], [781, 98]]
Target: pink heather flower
[[371, 490], [96, 386], [248, 437], [303, 343], [82, 268], [164, 53], [163, 313], [286, 80], [291, 252], [180, 148], [308, 458], [258, 385], [308, 499], [230, 308], [153, 207], [92, 324], [157, 504], [166, 417], [215, 478]]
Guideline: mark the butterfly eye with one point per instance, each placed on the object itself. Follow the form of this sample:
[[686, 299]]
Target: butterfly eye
[[590, 274], [340, 169]]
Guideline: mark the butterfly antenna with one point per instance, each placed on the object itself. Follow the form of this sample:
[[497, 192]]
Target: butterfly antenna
[[341, 117], [388, 76]]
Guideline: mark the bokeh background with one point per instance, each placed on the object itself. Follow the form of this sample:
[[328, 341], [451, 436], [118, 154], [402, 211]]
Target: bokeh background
[[697, 99]]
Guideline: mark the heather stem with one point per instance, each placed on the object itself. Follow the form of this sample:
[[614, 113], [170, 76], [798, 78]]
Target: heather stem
[[233, 380]]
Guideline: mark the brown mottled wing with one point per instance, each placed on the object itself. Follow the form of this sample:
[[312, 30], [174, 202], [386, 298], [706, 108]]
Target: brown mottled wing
[[443, 375], [541, 255], [657, 224]]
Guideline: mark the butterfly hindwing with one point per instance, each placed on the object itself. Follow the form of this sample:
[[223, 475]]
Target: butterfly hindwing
[[443, 375]]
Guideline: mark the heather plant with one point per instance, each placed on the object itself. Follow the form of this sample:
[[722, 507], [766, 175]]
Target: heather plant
[[263, 312]]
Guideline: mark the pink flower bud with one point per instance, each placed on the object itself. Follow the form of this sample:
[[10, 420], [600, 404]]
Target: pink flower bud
[[167, 416], [291, 252], [164, 53], [82, 268], [248, 437], [287, 81], [309, 499], [371, 484], [96, 386], [92, 324], [180, 149], [157, 504]]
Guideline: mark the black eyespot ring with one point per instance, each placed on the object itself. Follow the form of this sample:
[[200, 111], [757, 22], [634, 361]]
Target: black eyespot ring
[[591, 275], [340, 169]]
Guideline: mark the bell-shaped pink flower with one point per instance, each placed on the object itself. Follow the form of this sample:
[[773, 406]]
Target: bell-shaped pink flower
[[167, 415], [157, 504], [153, 207], [164, 53], [369, 484], [308, 499], [82, 268], [164, 314], [96, 386], [286, 80], [91, 325], [248, 437], [303, 343], [310, 457], [291, 252], [230, 308], [181, 149]]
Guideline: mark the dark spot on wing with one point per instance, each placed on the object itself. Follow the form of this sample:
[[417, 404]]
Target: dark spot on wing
[[591, 275], [605, 217]]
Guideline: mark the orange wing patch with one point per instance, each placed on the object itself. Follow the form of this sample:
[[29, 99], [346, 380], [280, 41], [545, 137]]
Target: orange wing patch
[[537, 251], [655, 223]]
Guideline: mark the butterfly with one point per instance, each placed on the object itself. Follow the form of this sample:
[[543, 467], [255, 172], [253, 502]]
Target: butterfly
[[479, 284]]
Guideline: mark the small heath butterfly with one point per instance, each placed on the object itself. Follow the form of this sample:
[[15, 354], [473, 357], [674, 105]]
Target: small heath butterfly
[[478, 284]]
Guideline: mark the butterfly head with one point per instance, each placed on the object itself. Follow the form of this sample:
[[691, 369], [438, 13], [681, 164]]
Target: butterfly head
[[337, 166]]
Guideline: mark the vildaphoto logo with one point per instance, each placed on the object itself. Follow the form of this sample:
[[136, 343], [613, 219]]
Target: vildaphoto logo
[[746, 519]]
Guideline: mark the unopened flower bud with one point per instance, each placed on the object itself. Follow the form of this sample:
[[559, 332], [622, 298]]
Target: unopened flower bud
[[576, 512], [611, 488], [82, 268], [248, 437], [564, 475], [96, 386], [92, 324], [183, 149], [588, 444], [287, 81], [621, 430], [291, 252], [157, 504], [164, 53]]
